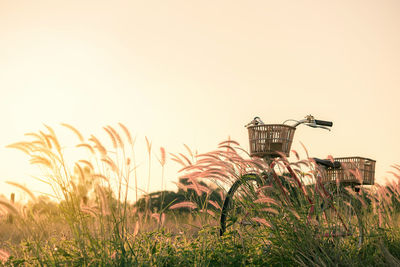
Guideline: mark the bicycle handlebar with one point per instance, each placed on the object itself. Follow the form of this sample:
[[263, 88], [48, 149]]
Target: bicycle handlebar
[[309, 121], [324, 123]]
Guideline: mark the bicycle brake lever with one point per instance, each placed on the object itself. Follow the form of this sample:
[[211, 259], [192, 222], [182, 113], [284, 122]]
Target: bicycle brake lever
[[313, 125], [324, 127]]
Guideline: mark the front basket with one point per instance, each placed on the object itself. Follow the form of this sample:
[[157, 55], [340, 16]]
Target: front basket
[[354, 170], [270, 140]]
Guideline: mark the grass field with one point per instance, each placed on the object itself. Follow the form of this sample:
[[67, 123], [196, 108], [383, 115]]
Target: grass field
[[93, 223]]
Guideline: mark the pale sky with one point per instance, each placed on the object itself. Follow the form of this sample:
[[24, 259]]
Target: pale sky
[[195, 72]]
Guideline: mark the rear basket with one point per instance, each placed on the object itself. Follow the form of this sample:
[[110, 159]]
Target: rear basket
[[269, 140], [354, 170]]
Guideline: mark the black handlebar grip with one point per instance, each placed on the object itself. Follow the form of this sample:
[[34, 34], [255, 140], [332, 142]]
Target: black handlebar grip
[[324, 123]]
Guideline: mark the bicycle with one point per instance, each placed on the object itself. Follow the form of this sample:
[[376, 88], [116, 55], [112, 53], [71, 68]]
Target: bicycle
[[333, 205]]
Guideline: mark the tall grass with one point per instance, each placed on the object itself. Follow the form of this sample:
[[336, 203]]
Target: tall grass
[[300, 223], [92, 192], [94, 222]]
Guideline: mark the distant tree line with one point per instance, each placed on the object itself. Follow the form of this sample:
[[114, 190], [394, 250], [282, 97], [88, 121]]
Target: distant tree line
[[162, 200]]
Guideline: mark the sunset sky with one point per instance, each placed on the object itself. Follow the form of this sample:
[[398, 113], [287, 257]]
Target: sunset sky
[[196, 72]]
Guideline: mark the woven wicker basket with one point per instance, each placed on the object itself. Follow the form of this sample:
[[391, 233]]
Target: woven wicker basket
[[268, 140], [355, 170]]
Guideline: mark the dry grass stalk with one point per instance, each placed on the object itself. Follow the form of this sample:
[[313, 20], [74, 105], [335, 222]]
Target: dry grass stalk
[[111, 164], [117, 136], [4, 255], [74, 130], [23, 188], [10, 207], [53, 137], [198, 188], [127, 133], [163, 156], [88, 163], [99, 175], [296, 154], [41, 160], [177, 159], [48, 153], [262, 221], [46, 139], [181, 186], [267, 200], [86, 146], [270, 210], [80, 172], [103, 201], [38, 137], [98, 145], [210, 212], [136, 229], [92, 211], [215, 204], [228, 148], [112, 137], [184, 204], [25, 147], [148, 144], [189, 150], [159, 218], [229, 142]]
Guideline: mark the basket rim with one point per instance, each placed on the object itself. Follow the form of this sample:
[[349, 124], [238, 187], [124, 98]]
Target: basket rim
[[355, 157], [260, 125]]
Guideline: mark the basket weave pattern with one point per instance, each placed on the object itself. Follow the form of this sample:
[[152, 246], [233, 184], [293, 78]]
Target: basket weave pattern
[[268, 140], [354, 170]]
